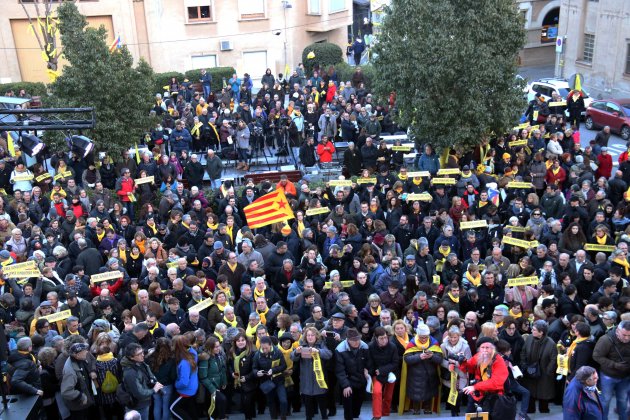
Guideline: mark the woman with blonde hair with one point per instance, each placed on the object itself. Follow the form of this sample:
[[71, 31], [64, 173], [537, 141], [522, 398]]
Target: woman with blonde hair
[[310, 353], [489, 329], [157, 251]]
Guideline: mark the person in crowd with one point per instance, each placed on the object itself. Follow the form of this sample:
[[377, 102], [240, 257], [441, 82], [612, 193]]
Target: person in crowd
[[581, 397]]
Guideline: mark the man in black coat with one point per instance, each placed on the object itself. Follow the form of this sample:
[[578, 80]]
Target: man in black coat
[[194, 172], [383, 360], [24, 370], [351, 357], [89, 258]]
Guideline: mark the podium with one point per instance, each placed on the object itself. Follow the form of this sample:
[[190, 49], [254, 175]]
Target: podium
[[21, 407]]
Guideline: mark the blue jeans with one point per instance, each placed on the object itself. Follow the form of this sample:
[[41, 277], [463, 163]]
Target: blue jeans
[[206, 91], [130, 209], [216, 184], [519, 389], [162, 402], [243, 154], [278, 397], [620, 387]]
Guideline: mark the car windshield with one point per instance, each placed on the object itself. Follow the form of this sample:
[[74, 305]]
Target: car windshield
[[626, 108]]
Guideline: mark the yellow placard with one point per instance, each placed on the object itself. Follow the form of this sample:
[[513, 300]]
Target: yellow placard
[[597, 247], [419, 197], [59, 316], [340, 183], [444, 181], [519, 242], [366, 181], [419, 174], [65, 174], [516, 143], [97, 278], [22, 177], [449, 171], [557, 103], [474, 224], [563, 364], [515, 184], [43, 177], [201, 305], [26, 274], [436, 279], [171, 264], [144, 180], [452, 395], [317, 210], [401, 148], [344, 284], [15, 268], [520, 126], [519, 229], [523, 281]]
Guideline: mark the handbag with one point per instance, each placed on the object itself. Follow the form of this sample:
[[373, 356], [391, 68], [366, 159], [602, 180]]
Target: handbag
[[267, 386], [500, 406], [533, 370]]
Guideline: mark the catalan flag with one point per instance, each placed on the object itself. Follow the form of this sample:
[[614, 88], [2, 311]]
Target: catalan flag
[[268, 209], [117, 43]]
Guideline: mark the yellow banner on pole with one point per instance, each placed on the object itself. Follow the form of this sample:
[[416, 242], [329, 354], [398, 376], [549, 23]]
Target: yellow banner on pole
[[59, 316], [201, 305], [474, 224], [317, 210], [523, 281], [97, 278], [597, 247]]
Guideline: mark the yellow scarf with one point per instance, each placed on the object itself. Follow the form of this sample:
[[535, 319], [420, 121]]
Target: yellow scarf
[[376, 312], [122, 254], [453, 298], [228, 231], [100, 237], [251, 331], [219, 336], [230, 323], [212, 226], [227, 290], [263, 316], [195, 129], [300, 226], [73, 333], [624, 263], [555, 171], [152, 330], [403, 341], [373, 208], [237, 366], [232, 266], [475, 281], [513, 315], [152, 227], [105, 357], [444, 252], [404, 402], [258, 294], [221, 307], [27, 353], [288, 381]]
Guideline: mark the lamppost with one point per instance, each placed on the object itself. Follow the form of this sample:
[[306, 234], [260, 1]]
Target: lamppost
[[285, 5]]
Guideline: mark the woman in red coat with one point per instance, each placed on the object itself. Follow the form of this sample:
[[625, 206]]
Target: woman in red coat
[[331, 92], [605, 164], [556, 175]]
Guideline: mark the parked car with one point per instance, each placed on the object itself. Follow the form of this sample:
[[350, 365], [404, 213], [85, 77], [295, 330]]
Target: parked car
[[548, 86], [614, 113]]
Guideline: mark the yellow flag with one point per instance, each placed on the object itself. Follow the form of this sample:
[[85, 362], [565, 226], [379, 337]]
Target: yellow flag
[[10, 145], [578, 83], [286, 70], [137, 154]]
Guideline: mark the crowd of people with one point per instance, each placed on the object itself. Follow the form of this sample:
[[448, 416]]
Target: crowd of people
[[499, 284]]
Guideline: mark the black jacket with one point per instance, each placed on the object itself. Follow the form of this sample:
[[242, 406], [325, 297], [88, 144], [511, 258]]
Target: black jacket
[[265, 362], [384, 359], [25, 377], [350, 365]]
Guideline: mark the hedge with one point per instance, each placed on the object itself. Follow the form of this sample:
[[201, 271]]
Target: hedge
[[31, 88], [164, 79], [345, 72], [325, 55], [217, 73]]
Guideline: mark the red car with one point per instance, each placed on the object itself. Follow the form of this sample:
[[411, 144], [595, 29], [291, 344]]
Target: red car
[[614, 113]]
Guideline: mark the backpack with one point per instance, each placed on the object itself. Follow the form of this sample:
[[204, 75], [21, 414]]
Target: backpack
[[110, 383], [123, 397]]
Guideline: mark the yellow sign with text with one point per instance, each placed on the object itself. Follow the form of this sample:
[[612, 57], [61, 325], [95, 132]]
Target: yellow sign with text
[[97, 278], [597, 247], [523, 281], [201, 305], [59, 316], [444, 181], [519, 242], [419, 174], [419, 197], [16, 268], [449, 171], [145, 180], [474, 224], [317, 210], [366, 180], [340, 183], [515, 184]]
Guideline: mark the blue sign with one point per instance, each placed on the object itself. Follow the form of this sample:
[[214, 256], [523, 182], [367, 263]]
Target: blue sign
[[552, 32]]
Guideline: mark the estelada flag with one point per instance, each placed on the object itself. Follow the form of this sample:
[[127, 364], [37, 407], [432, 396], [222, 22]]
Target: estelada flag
[[270, 208]]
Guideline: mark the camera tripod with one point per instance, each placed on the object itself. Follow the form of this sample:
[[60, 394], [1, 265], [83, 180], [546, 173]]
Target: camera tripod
[[259, 147], [284, 149]]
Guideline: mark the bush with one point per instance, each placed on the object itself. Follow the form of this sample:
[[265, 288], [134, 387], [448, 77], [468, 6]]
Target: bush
[[217, 73], [345, 72], [31, 88], [326, 54], [164, 79]]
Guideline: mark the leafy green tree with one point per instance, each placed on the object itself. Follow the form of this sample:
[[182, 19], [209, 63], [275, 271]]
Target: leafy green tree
[[452, 64], [120, 93]]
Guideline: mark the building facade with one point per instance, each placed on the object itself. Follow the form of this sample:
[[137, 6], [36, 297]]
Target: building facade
[[597, 45], [541, 26], [180, 35]]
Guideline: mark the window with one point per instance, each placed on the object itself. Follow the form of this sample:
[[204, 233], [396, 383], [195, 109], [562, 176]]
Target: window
[[251, 9], [204, 61], [314, 7], [589, 47], [628, 59], [255, 63], [613, 107], [336, 5], [199, 13]]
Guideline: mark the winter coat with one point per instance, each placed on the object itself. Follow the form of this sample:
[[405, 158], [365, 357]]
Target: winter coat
[[423, 382], [212, 372], [461, 348], [214, 168], [246, 370], [496, 382], [25, 377], [384, 359], [607, 353], [578, 405], [387, 278], [264, 362], [308, 383], [138, 381], [539, 170], [582, 355], [429, 163], [76, 389], [544, 386], [350, 364]]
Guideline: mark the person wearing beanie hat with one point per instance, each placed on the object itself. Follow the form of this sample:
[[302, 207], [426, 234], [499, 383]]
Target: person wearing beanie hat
[[419, 379], [351, 356], [76, 384]]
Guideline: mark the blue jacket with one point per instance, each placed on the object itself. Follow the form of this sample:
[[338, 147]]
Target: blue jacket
[[206, 79], [295, 289], [187, 380], [185, 143], [577, 405], [429, 163]]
